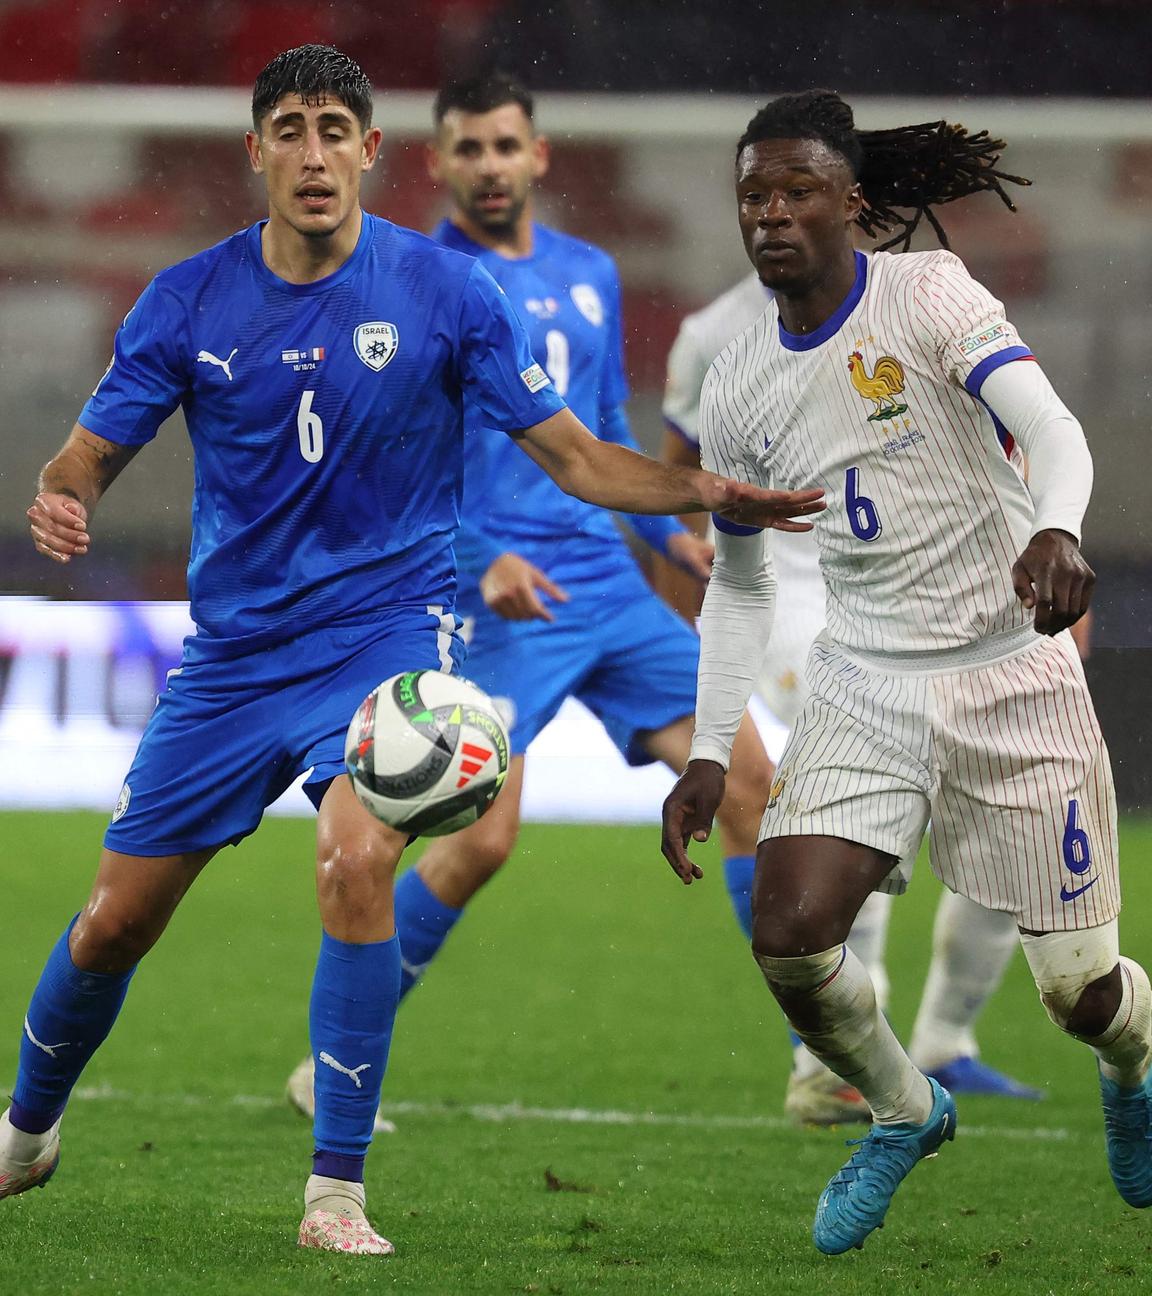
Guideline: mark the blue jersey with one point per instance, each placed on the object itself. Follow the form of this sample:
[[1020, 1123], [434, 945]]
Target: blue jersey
[[326, 421], [567, 294]]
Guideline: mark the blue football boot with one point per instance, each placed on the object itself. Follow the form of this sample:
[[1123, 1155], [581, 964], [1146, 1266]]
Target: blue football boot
[[857, 1197], [1128, 1135], [968, 1075]]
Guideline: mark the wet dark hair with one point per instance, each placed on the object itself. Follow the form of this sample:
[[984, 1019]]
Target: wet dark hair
[[913, 168], [481, 94], [314, 72]]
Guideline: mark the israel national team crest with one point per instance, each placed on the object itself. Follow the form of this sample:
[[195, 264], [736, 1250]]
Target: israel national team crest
[[588, 303], [376, 343]]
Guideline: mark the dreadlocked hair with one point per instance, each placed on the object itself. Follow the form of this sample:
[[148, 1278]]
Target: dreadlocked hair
[[903, 172]]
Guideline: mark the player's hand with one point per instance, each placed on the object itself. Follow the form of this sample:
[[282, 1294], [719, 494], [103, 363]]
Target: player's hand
[[1052, 577], [512, 586], [754, 506], [693, 553], [59, 526], [688, 813]]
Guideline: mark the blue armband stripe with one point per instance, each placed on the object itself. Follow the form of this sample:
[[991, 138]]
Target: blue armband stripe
[[733, 528], [975, 379]]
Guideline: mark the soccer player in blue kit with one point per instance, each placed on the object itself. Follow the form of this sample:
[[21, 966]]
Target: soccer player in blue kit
[[557, 605], [323, 358]]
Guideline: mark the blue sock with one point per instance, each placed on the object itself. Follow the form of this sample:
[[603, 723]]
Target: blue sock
[[68, 1019], [739, 871], [422, 923], [354, 997]]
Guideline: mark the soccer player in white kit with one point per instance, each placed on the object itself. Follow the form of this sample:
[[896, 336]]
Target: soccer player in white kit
[[971, 945], [944, 685]]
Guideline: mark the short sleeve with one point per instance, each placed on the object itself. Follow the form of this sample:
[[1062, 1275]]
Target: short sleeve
[[147, 378], [505, 387], [687, 367], [722, 445], [613, 380], [966, 325]]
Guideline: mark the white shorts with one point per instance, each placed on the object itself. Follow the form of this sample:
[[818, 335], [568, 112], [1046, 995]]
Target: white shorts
[[1005, 759]]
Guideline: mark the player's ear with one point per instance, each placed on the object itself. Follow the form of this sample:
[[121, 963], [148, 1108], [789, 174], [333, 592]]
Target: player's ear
[[432, 160], [541, 156], [255, 156], [372, 137], [854, 203]]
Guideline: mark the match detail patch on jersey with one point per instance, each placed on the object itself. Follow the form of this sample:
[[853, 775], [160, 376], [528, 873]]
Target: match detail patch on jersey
[[534, 378], [304, 353], [978, 341], [376, 343]]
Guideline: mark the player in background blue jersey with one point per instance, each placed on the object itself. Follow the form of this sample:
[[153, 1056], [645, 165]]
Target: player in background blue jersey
[[324, 359], [556, 603]]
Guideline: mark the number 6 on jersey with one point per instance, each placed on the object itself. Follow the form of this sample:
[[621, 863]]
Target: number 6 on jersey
[[862, 515], [310, 429]]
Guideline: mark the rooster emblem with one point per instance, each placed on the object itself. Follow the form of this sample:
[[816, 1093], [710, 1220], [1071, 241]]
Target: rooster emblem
[[881, 388]]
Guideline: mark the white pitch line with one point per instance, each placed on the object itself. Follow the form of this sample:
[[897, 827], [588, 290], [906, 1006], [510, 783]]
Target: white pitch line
[[511, 1113]]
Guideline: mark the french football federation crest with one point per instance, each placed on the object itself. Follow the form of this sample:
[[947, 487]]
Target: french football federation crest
[[376, 343], [882, 387], [588, 303]]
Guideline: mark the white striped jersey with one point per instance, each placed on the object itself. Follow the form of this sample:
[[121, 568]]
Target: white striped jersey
[[927, 505], [702, 336]]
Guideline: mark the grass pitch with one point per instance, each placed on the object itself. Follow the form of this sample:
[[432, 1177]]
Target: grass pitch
[[588, 1089]]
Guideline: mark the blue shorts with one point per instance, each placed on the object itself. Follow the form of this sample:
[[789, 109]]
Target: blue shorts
[[615, 646], [231, 733]]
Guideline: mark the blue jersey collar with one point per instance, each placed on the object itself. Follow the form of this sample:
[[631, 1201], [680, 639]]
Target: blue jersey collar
[[453, 236], [834, 322], [359, 252]]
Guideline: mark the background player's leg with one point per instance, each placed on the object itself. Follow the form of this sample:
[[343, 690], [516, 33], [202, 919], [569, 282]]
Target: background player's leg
[[816, 1095], [81, 990], [430, 898], [353, 1007], [971, 948]]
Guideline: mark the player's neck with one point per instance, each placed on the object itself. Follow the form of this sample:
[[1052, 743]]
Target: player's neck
[[804, 311], [300, 259], [514, 242]]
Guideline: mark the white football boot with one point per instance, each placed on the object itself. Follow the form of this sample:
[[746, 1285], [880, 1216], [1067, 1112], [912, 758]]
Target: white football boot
[[302, 1095], [822, 1098], [334, 1219], [26, 1160]]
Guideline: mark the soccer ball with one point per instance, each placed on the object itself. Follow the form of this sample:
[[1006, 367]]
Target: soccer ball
[[427, 752]]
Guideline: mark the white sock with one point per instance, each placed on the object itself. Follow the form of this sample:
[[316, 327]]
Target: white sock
[[21, 1147], [971, 947], [1125, 1048], [340, 1196], [848, 1032], [868, 939]]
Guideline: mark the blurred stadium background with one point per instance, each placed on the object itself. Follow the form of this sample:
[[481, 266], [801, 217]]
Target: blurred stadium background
[[120, 144], [120, 129]]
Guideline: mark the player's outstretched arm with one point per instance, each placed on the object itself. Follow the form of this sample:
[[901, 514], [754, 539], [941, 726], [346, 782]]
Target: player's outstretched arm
[[615, 478], [70, 485]]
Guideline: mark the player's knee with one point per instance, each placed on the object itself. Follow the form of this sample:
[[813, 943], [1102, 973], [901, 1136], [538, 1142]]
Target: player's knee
[[1077, 974], [784, 931], [354, 873], [489, 852], [112, 938]]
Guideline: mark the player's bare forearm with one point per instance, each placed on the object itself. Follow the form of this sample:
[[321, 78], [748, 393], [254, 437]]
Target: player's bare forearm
[[84, 467], [67, 491], [613, 477], [1052, 577]]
